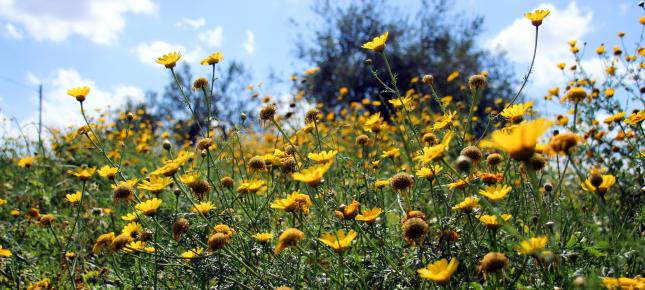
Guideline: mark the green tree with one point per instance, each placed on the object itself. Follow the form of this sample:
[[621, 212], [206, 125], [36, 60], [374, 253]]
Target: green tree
[[433, 41]]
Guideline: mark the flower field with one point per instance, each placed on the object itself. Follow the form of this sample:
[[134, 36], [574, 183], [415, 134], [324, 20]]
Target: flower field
[[425, 193]]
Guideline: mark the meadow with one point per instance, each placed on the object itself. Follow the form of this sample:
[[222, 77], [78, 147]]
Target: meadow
[[423, 193]]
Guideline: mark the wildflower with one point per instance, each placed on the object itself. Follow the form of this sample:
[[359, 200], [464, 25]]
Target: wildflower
[[102, 242], [381, 183], [338, 241], [323, 156], [120, 242], [33, 213], [477, 82], [491, 221], [203, 207], [606, 181], [564, 141], [108, 172], [467, 205], [537, 16], [192, 253], [496, 192], [515, 113], [4, 252], [575, 95], [453, 75], [414, 228], [46, 220], [252, 186], [74, 197], [123, 190], [348, 211], [130, 217], [26, 162], [132, 230], [472, 152], [377, 44], [490, 178], [296, 202], [263, 238], [372, 124], [79, 93], [169, 60], [429, 172], [624, 282], [179, 227], [83, 173], [267, 113], [149, 207], [391, 153], [256, 163], [369, 215], [532, 246], [492, 263], [289, 238], [635, 118], [615, 118], [403, 102], [439, 271], [168, 169], [434, 153], [217, 241], [312, 176], [212, 59], [200, 83], [520, 141], [38, 285], [155, 184], [134, 246], [444, 121], [460, 183]]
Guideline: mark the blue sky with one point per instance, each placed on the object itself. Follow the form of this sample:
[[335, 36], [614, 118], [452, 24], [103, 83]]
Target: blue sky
[[111, 45]]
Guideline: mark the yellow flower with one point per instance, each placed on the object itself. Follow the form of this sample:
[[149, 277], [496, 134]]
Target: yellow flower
[[515, 113], [519, 142], [74, 197], [103, 241], [132, 230], [108, 172], [607, 182], [263, 238], [3, 201], [83, 173], [381, 183], [402, 102], [155, 184], [42, 284], [149, 207], [192, 253], [377, 44], [429, 173], [453, 75], [491, 222], [635, 118], [212, 59], [312, 176], [289, 238], [135, 246], [296, 202], [495, 192], [130, 217], [624, 282], [190, 178], [537, 16], [323, 156], [224, 229], [434, 153], [169, 60], [533, 246], [79, 93], [4, 252], [467, 205], [392, 153], [373, 123], [26, 162], [444, 121], [203, 207], [439, 271], [369, 215], [252, 186], [338, 241]]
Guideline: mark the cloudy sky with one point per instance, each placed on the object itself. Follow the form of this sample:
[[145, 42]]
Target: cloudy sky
[[111, 45]]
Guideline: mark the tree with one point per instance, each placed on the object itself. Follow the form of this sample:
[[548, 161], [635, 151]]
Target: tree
[[433, 41], [171, 109]]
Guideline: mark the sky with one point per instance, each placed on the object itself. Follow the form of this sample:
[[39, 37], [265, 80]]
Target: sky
[[111, 45]]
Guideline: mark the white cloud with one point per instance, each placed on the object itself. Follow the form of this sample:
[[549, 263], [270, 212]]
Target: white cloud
[[192, 23], [60, 110], [249, 44], [98, 20], [559, 27], [12, 31], [213, 37]]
